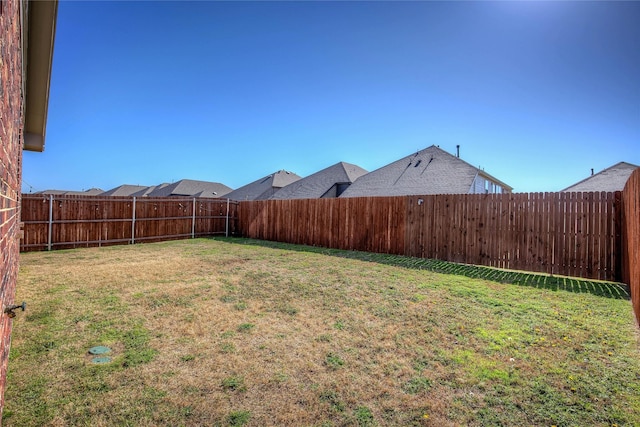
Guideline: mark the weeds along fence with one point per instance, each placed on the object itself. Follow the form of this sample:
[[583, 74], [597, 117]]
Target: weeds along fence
[[61, 221], [572, 234], [631, 264]]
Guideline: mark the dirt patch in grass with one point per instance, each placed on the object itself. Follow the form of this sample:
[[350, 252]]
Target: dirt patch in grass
[[230, 332]]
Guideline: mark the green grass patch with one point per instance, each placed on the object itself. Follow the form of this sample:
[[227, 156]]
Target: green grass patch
[[333, 360], [417, 385], [246, 327], [241, 332], [234, 383], [238, 418], [332, 398], [364, 416]]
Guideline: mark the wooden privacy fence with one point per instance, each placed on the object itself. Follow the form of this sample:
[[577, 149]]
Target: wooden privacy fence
[[60, 221], [572, 234], [631, 264]]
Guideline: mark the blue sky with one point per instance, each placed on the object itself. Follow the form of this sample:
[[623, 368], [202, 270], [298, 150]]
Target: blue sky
[[535, 93]]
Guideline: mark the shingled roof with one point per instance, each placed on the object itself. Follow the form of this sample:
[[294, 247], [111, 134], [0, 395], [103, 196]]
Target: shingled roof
[[612, 178], [89, 192], [124, 190], [145, 192], [191, 188], [263, 188], [429, 171], [329, 182]]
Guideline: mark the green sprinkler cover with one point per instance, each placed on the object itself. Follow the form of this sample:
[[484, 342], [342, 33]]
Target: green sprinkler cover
[[99, 360], [99, 350]]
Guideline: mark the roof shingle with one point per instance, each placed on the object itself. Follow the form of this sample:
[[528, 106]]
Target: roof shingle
[[328, 182]]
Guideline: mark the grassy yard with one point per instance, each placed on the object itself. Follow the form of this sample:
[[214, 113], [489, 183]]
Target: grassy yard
[[238, 332]]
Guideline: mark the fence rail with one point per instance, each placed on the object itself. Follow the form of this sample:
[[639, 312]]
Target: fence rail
[[61, 221], [573, 234], [631, 264]]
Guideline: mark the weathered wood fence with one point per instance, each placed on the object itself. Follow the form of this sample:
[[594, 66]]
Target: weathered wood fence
[[572, 234], [631, 262], [589, 235], [60, 221]]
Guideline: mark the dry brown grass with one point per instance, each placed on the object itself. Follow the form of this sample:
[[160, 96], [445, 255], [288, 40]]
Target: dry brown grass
[[217, 332]]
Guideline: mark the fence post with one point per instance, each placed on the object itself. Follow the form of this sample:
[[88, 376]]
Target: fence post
[[193, 220], [226, 226], [50, 221], [133, 222]]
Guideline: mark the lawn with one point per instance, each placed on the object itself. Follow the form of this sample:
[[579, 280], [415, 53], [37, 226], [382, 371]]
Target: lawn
[[210, 332]]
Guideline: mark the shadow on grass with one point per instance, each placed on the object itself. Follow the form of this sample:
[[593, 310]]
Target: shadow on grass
[[536, 280]]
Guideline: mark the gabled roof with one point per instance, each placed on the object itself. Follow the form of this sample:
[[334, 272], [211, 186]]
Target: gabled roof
[[89, 192], [190, 187], [323, 183], [54, 192], [124, 190], [429, 171], [612, 178], [145, 191], [264, 187]]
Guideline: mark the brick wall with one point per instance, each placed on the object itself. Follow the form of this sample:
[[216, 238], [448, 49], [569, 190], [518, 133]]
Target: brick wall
[[11, 119]]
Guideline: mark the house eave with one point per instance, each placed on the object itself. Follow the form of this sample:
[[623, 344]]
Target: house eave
[[38, 34], [505, 187]]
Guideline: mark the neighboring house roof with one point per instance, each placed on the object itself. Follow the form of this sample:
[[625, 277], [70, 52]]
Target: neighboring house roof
[[38, 19], [190, 187], [124, 190], [429, 171], [263, 188], [145, 191], [89, 192], [612, 178], [208, 194], [329, 182], [54, 192]]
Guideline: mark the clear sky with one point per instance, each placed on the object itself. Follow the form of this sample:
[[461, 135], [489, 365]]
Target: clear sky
[[535, 93]]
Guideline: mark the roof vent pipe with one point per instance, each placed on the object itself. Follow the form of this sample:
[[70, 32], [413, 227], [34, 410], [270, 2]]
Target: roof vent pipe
[[458, 150], [592, 171]]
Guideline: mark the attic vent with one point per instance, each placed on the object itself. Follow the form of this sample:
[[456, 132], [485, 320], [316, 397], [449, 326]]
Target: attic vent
[[416, 165]]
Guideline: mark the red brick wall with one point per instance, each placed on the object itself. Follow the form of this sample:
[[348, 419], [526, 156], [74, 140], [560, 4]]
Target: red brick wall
[[10, 169]]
